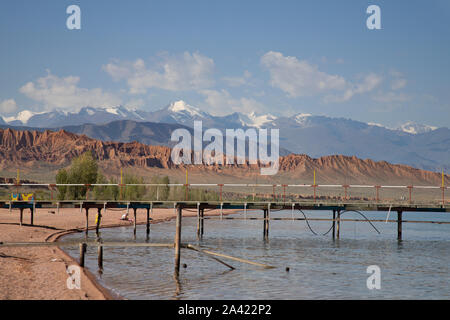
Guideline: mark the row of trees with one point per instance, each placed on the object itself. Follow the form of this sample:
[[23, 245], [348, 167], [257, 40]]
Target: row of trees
[[84, 170]]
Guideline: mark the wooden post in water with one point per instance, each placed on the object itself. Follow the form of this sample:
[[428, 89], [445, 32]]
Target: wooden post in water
[[202, 221], [135, 216], [82, 253], [266, 224], [399, 225], [21, 216], [98, 220], [334, 223], [338, 226], [87, 219], [100, 257], [198, 220], [178, 241], [148, 220]]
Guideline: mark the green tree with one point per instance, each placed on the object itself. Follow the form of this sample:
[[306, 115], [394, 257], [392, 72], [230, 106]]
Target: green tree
[[160, 193], [62, 178], [133, 192], [83, 170]]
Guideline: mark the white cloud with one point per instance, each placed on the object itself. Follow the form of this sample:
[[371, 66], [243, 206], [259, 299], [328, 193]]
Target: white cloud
[[299, 78], [222, 103], [63, 93], [369, 82], [8, 106], [175, 73], [389, 97], [398, 83], [398, 80], [238, 81]]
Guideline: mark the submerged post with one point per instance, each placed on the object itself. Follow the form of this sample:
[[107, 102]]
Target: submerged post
[[338, 226], [135, 214], [100, 257], [266, 224], [202, 221], [198, 220], [178, 241], [82, 253], [334, 224], [399, 225], [148, 220], [98, 220], [87, 219]]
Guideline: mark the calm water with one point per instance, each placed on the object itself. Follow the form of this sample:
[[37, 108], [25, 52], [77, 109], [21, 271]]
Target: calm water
[[320, 268]]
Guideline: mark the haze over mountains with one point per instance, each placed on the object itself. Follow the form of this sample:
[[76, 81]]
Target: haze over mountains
[[413, 144]]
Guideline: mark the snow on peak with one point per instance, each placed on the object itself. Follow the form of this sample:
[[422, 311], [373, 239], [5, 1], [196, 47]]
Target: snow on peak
[[376, 124], [415, 128], [182, 107], [253, 120], [302, 118], [22, 116], [112, 110]]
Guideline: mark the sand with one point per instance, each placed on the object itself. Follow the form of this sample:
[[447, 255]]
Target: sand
[[39, 273]]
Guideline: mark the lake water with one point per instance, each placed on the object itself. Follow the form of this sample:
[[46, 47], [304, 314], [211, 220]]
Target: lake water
[[320, 267]]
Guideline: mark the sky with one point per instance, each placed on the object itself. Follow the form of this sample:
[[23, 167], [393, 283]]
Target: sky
[[278, 57]]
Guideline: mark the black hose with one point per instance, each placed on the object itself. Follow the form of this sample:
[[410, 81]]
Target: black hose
[[363, 217], [324, 234]]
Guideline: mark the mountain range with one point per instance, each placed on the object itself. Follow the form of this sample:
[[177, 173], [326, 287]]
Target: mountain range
[[421, 146], [32, 150]]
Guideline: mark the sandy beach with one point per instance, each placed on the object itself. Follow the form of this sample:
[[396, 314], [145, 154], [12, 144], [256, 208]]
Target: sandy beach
[[39, 273]]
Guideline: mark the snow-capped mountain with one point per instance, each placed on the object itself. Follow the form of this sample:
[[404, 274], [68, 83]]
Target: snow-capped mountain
[[415, 128], [418, 145], [254, 120], [20, 119], [57, 118], [408, 127], [178, 112]]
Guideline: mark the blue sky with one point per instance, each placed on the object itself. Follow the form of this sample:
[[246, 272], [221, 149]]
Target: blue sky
[[281, 57]]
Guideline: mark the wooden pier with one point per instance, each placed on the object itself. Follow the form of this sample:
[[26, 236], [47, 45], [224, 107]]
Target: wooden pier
[[335, 208]]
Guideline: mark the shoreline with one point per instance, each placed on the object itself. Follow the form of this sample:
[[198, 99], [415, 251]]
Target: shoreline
[[40, 273]]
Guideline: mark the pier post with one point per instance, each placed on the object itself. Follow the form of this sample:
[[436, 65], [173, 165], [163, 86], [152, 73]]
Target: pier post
[[148, 220], [135, 215], [178, 241], [338, 226], [31, 216], [198, 220], [100, 257], [98, 220], [87, 220], [334, 223], [82, 253], [202, 221], [399, 225], [266, 224], [21, 216]]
